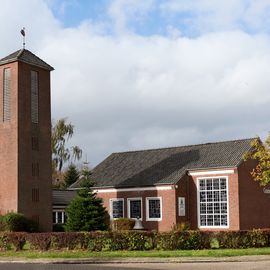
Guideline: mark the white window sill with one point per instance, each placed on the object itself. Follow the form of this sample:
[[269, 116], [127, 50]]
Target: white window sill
[[154, 219]]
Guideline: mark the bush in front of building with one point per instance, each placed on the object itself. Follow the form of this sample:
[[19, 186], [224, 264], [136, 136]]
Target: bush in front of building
[[122, 224], [16, 222]]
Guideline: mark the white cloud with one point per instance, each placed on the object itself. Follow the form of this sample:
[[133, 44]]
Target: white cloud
[[212, 15], [124, 11], [127, 91]]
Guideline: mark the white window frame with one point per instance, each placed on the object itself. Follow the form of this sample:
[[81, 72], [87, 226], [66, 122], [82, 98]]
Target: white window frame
[[111, 206], [147, 199], [62, 212], [179, 199], [198, 202], [128, 204]]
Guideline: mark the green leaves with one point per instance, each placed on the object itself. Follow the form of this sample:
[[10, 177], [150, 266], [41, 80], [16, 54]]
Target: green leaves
[[61, 133], [261, 153]]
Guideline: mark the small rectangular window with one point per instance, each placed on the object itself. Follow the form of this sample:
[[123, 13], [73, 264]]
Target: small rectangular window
[[7, 95], [117, 208], [34, 97], [59, 217], [35, 195], [135, 208], [35, 146], [153, 209]]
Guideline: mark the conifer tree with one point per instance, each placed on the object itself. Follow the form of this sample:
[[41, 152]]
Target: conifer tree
[[71, 175], [86, 212]]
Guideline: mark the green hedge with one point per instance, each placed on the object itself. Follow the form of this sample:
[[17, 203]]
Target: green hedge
[[135, 240]]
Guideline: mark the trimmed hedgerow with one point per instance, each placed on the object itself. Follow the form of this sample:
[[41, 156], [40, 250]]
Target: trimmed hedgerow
[[39, 241], [135, 240]]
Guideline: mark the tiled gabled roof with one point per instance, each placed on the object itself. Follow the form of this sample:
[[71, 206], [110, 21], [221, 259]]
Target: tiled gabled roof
[[26, 56], [166, 165], [63, 197]]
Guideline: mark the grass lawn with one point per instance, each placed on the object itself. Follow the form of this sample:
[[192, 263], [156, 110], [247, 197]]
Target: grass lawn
[[151, 253]]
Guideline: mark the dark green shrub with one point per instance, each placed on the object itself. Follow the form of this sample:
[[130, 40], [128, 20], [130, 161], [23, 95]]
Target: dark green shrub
[[123, 224], [58, 228], [16, 222]]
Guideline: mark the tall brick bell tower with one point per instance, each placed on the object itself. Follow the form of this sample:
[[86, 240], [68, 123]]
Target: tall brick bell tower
[[25, 137]]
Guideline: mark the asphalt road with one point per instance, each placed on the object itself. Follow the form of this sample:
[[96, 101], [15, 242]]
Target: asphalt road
[[260, 265]]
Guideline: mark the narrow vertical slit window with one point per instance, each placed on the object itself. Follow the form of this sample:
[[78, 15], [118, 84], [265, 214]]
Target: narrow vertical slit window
[[34, 97], [6, 95], [35, 195]]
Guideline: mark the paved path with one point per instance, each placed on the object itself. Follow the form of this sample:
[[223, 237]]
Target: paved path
[[180, 263], [260, 265]]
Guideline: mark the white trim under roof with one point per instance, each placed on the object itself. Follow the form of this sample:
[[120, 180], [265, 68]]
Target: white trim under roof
[[210, 172], [108, 190]]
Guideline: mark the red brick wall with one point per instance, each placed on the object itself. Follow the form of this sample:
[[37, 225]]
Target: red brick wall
[[9, 146], [43, 208], [16, 155], [254, 204], [168, 206]]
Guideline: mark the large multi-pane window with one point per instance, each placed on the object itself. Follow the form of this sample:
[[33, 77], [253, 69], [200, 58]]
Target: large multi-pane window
[[34, 97], [6, 95], [117, 208], [153, 209], [135, 208], [213, 202]]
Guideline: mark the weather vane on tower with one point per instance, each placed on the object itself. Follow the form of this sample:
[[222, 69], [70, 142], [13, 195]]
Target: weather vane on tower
[[23, 34]]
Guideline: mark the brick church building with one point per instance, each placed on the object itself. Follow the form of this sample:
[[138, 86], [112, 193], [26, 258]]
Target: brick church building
[[207, 185], [25, 137]]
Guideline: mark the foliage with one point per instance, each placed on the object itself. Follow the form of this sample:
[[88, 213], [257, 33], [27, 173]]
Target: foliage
[[16, 222], [71, 175], [260, 153], [86, 212], [40, 241], [182, 226], [68, 241], [121, 224], [58, 228], [61, 133], [136, 240], [17, 239]]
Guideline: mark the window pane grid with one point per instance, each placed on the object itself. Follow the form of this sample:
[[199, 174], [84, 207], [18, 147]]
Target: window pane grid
[[213, 202], [154, 208], [117, 209], [135, 208]]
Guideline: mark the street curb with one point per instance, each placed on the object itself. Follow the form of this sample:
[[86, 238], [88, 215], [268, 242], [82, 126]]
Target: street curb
[[98, 260]]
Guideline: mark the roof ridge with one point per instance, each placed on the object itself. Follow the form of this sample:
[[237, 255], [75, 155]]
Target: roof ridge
[[171, 147], [20, 53]]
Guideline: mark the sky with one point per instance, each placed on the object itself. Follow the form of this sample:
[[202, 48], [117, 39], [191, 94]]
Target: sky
[[140, 74]]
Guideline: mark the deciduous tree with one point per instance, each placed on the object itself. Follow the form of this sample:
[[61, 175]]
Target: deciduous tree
[[261, 153]]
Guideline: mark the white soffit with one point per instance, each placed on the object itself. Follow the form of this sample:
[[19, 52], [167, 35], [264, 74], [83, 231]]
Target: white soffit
[[212, 172], [108, 190]]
